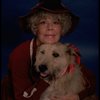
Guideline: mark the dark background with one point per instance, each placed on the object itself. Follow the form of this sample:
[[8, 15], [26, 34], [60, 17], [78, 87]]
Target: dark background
[[85, 37]]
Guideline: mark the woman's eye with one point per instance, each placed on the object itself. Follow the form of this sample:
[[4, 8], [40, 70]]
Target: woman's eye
[[55, 54], [42, 22], [56, 22]]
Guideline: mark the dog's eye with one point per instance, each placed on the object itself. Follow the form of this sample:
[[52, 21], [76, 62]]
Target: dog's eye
[[42, 52], [55, 54]]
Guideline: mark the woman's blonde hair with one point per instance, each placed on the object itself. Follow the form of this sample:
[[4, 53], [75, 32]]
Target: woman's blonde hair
[[64, 19]]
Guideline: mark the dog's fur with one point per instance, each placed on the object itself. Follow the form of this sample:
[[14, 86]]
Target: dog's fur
[[57, 66]]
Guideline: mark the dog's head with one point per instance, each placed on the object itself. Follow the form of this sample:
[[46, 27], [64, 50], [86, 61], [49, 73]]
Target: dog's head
[[52, 59]]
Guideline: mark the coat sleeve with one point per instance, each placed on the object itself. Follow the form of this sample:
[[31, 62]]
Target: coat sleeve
[[19, 64], [90, 82], [89, 77]]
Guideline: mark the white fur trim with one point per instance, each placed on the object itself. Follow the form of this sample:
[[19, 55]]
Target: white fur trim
[[31, 49], [26, 95]]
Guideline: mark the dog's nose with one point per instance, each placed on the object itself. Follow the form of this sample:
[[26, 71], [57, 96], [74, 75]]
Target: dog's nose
[[42, 68]]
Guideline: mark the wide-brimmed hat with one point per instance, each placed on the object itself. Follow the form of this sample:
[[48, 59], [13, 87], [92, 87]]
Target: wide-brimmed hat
[[52, 6]]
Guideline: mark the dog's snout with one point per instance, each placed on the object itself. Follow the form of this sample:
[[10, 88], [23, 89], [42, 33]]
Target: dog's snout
[[42, 68]]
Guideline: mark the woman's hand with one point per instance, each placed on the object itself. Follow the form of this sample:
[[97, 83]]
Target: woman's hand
[[66, 97]]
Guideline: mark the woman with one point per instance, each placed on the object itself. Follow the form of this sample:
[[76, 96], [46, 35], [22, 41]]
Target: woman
[[48, 21]]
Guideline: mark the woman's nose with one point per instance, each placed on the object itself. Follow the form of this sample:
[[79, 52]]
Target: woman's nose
[[49, 25]]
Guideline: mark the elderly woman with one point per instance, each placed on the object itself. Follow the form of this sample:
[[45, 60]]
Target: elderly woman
[[48, 21]]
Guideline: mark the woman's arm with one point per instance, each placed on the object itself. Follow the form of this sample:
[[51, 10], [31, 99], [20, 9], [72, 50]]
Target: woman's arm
[[90, 82]]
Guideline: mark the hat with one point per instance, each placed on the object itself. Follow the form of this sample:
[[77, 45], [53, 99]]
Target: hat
[[52, 6]]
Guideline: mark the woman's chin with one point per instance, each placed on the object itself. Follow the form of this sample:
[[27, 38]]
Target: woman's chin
[[51, 42]]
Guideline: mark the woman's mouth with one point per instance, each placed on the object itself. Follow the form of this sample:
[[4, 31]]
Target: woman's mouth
[[50, 36]]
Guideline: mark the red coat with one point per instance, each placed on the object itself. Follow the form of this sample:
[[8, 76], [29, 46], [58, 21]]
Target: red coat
[[19, 65]]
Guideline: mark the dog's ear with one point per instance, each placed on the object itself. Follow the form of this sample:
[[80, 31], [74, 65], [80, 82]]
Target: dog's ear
[[73, 52], [72, 49]]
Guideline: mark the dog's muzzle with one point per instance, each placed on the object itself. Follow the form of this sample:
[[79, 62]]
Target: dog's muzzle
[[43, 71], [42, 68]]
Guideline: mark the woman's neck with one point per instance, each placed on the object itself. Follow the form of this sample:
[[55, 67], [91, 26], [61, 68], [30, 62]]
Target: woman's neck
[[38, 42]]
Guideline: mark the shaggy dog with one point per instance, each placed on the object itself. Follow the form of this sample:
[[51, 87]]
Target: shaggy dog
[[57, 65]]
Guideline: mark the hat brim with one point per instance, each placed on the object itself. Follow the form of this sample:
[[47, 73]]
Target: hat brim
[[52, 9]]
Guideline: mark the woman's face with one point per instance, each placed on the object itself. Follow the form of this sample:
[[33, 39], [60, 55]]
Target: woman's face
[[49, 30]]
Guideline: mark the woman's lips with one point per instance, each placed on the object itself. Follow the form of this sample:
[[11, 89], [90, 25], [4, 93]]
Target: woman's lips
[[50, 36]]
